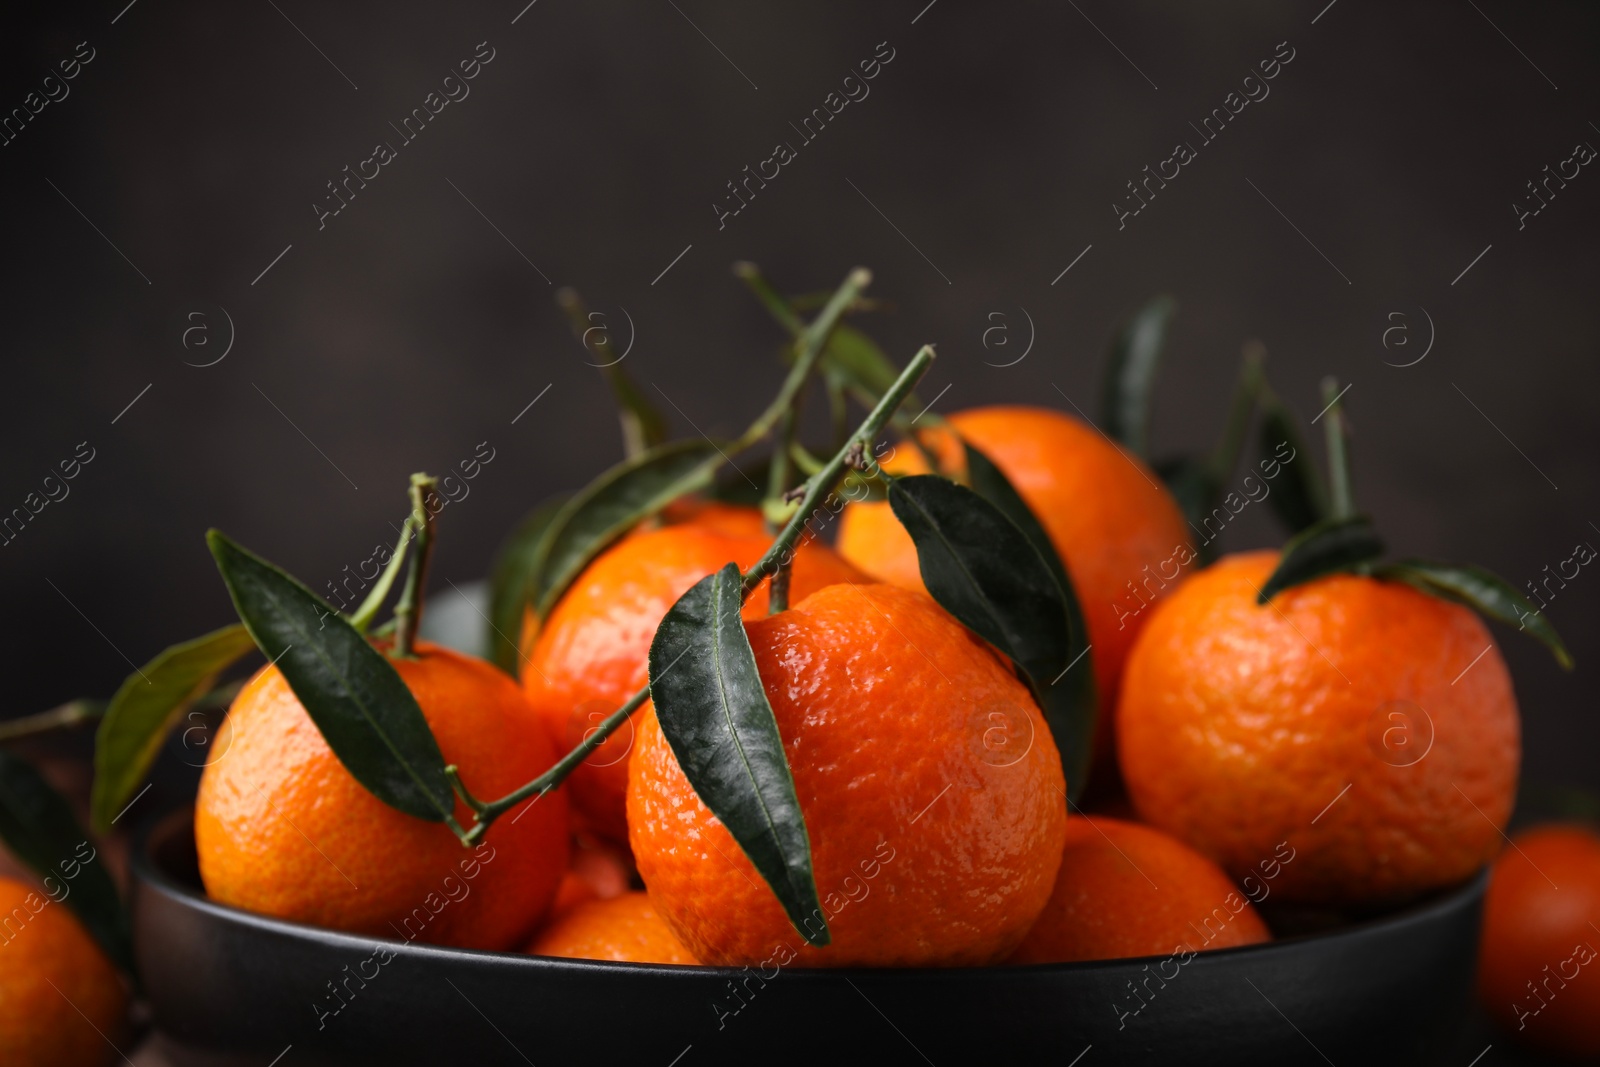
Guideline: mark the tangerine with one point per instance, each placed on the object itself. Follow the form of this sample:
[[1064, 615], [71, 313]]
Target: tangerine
[[1118, 532], [61, 1001], [1128, 890], [283, 829], [1369, 725], [591, 651], [931, 789], [1537, 973], [624, 928], [600, 870]]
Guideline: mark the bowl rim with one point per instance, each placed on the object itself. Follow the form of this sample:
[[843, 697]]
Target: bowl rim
[[148, 874]]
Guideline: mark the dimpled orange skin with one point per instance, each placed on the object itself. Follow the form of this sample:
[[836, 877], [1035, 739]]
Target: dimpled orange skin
[[1537, 932], [1239, 724], [284, 830], [1105, 512], [42, 944], [1128, 890], [590, 654], [934, 839], [624, 928]]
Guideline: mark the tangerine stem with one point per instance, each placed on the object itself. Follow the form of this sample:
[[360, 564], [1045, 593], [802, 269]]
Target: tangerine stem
[[60, 717], [1335, 434], [460, 788], [380, 592], [817, 486], [563, 767], [778, 469], [812, 341], [781, 310], [778, 590], [408, 613]]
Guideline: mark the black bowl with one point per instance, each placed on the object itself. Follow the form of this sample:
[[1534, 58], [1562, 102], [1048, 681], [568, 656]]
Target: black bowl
[[228, 987]]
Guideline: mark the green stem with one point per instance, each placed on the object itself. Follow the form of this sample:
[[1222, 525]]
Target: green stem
[[778, 470], [817, 487], [822, 483], [489, 812], [808, 463], [61, 717], [838, 411], [1225, 457], [778, 588], [408, 613], [781, 310], [1342, 503], [748, 273], [380, 592], [812, 340]]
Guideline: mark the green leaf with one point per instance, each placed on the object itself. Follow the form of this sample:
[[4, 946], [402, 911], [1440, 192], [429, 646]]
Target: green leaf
[[150, 702], [1070, 702], [354, 695], [986, 572], [1131, 374], [983, 570], [715, 714], [1484, 592], [610, 506], [1330, 546], [859, 363], [509, 586], [40, 829], [1299, 497]]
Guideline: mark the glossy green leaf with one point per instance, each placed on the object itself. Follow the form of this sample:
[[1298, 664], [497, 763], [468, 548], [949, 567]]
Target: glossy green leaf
[[39, 828], [1299, 496], [983, 570], [510, 583], [610, 506], [150, 702], [1070, 701], [1328, 547], [1131, 374], [354, 695], [714, 713], [1484, 592]]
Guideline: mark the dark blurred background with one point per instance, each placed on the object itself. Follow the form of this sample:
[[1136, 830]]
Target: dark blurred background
[[173, 187]]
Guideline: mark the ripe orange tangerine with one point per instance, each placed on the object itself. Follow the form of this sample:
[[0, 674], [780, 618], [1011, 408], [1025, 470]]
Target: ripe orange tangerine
[[624, 928], [931, 843], [1539, 967], [283, 829], [1369, 725], [61, 1001], [1129, 890]]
